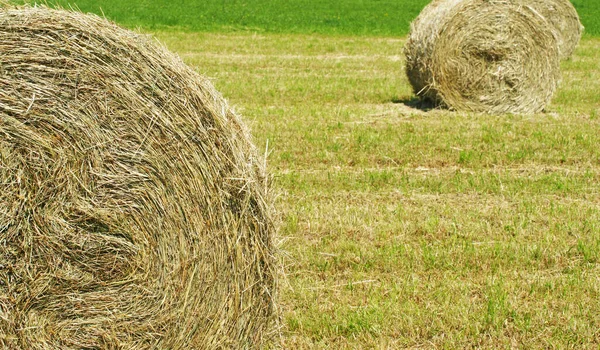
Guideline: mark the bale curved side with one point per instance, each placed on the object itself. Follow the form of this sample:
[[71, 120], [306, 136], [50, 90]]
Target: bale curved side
[[134, 209], [563, 18], [482, 55]]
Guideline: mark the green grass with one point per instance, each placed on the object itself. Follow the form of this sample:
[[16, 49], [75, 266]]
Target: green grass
[[589, 13], [404, 228], [342, 17]]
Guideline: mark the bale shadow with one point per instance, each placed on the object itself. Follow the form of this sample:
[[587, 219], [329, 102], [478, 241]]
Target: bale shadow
[[415, 103]]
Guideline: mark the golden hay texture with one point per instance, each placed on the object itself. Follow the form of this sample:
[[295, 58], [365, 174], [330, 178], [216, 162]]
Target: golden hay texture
[[132, 211], [563, 18], [482, 55]]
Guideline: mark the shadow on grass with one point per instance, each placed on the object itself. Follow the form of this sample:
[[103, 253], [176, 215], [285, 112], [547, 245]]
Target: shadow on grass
[[416, 103]]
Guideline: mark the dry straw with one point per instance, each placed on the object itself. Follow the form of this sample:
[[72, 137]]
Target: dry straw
[[483, 55], [132, 204], [564, 19]]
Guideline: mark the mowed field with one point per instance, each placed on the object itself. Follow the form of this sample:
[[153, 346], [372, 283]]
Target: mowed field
[[401, 227], [410, 228]]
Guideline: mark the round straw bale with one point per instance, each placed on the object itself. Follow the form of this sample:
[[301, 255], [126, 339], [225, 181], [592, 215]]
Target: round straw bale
[[482, 55], [134, 211], [563, 18]]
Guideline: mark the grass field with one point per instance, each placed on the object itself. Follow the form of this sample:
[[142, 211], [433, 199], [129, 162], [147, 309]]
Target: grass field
[[405, 228], [342, 17]]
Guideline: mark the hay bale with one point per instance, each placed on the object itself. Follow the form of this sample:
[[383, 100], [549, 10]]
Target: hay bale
[[482, 55], [133, 211], [564, 20]]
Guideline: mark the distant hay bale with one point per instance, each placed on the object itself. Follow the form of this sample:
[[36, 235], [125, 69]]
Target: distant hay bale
[[133, 212], [482, 55], [563, 18]]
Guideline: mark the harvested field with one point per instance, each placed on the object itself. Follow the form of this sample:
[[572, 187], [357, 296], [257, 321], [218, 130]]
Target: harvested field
[[405, 228]]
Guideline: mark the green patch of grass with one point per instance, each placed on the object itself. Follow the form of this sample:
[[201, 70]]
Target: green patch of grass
[[340, 17], [347, 17], [589, 13]]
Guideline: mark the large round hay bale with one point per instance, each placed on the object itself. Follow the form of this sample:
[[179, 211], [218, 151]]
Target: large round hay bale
[[563, 18], [482, 55], [133, 211]]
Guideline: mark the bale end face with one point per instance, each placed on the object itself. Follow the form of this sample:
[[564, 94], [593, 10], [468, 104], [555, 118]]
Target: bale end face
[[134, 212]]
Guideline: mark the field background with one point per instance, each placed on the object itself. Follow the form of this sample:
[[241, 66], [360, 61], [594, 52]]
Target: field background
[[402, 227], [341, 17]]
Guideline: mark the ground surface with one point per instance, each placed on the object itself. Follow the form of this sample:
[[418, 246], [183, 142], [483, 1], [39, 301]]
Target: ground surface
[[406, 228]]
